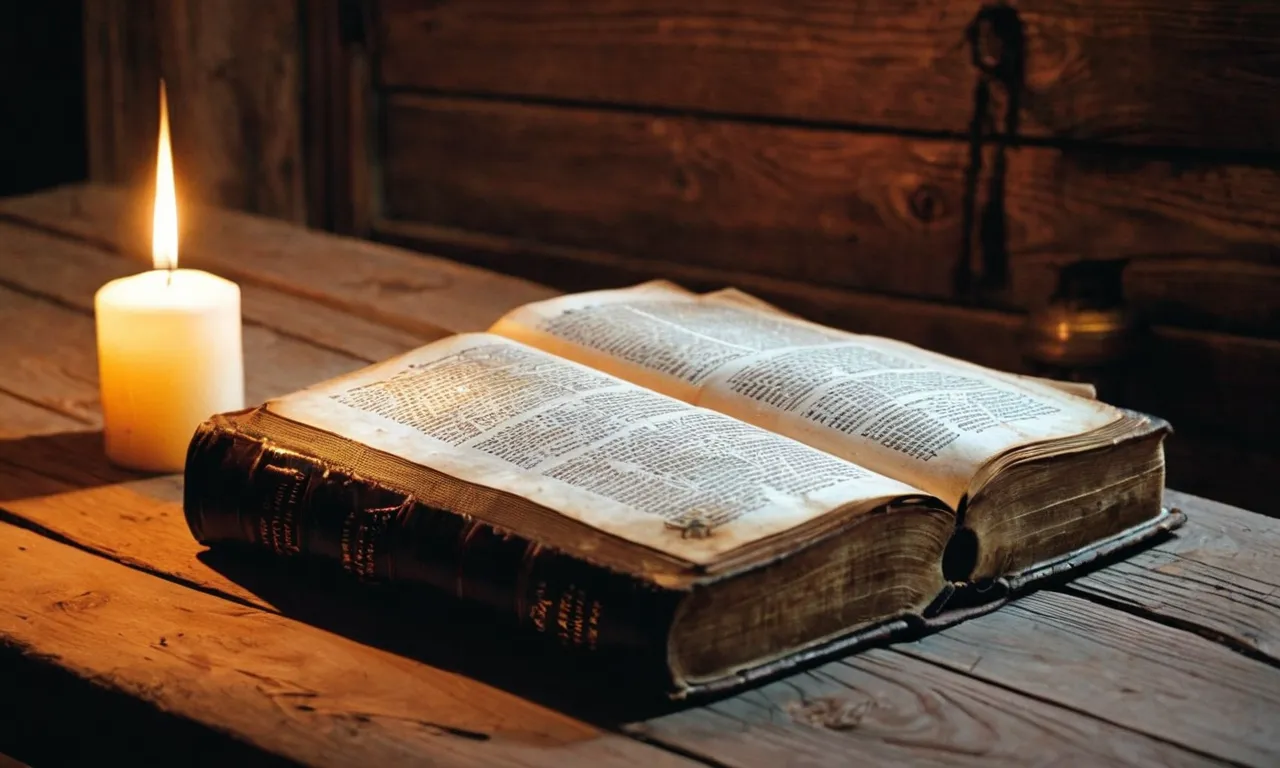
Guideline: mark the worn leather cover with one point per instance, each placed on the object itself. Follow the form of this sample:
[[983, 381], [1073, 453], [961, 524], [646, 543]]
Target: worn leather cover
[[244, 489]]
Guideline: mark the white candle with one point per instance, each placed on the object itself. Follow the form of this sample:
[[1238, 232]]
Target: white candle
[[169, 350], [169, 356]]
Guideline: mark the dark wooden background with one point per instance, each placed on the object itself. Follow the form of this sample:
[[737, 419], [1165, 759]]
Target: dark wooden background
[[820, 154]]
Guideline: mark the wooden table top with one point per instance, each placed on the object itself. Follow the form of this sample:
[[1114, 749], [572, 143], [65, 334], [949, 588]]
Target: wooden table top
[[120, 636]]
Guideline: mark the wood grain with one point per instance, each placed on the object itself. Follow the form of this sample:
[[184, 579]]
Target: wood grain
[[1095, 69], [889, 709], [836, 208], [70, 272], [1197, 292], [281, 685], [1166, 683], [49, 355], [61, 484], [674, 190], [427, 297], [22, 418], [1218, 575], [51, 358], [233, 71], [340, 115], [122, 72]]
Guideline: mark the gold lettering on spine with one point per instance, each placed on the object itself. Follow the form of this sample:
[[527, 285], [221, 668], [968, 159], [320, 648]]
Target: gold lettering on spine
[[564, 612], [278, 519], [362, 533], [541, 606], [593, 625], [577, 617]]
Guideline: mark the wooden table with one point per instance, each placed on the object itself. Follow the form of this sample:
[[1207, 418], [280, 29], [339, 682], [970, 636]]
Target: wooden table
[[119, 637]]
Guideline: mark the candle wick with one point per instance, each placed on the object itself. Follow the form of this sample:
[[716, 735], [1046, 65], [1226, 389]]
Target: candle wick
[[168, 279]]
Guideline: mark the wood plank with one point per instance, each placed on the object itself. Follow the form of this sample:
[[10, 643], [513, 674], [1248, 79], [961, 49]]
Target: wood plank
[[281, 685], [70, 272], [889, 709], [54, 361], [122, 68], [1095, 69], [111, 726], [50, 357], [1217, 576], [235, 70], [340, 116], [237, 125], [428, 297], [1190, 292], [21, 418], [1164, 682], [672, 190], [841, 209], [62, 484]]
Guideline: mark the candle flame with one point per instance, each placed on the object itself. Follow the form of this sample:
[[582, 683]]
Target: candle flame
[[164, 231]]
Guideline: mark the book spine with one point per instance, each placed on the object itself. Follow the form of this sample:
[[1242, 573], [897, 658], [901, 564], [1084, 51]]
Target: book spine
[[245, 490]]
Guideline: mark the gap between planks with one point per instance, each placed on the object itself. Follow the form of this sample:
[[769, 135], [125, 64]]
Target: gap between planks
[[1257, 158], [1223, 639], [78, 308], [419, 294]]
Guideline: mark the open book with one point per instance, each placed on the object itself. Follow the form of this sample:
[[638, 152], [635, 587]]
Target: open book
[[701, 479]]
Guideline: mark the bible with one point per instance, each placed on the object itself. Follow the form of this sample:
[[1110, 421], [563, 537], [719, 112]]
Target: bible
[[700, 481]]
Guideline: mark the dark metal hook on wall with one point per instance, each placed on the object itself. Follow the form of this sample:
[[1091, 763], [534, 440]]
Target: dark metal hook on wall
[[997, 50]]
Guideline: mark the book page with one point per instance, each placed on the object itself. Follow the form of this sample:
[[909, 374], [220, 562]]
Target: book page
[[621, 459], [923, 418]]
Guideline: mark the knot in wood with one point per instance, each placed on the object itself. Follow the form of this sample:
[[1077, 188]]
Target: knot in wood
[[925, 203], [832, 713], [85, 601]]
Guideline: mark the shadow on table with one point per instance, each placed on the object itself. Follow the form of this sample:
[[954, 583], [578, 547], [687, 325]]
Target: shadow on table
[[54, 463], [451, 635]]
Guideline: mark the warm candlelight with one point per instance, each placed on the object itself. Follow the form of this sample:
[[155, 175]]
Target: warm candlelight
[[169, 351]]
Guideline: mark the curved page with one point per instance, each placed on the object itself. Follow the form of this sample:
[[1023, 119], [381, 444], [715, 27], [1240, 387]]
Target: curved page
[[923, 418], [686, 481]]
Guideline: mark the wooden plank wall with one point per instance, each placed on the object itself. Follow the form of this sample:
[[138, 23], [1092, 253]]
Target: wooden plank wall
[[234, 74], [817, 153]]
